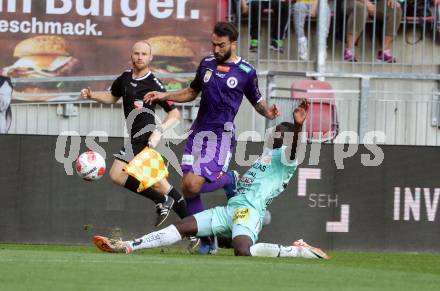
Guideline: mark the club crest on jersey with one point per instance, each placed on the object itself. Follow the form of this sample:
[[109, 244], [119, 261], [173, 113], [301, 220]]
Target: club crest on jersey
[[232, 82], [207, 76]]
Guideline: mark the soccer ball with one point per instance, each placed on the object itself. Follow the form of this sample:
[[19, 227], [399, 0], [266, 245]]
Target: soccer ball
[[90, 166]]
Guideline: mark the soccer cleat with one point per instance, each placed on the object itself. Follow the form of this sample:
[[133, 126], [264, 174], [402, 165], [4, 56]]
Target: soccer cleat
[[386, 57], [277, 45], [231, 188], [163, 210], [208, 246], [349, 55], [108, 245], [303, 51], [307, 251], [194, 242], [253, 45]]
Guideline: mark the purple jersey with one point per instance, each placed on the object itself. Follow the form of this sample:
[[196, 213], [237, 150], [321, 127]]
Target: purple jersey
[[223, 86]]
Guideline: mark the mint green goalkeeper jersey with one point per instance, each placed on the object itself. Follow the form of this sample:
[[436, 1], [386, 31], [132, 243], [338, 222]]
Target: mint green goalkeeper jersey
[[265, 180]]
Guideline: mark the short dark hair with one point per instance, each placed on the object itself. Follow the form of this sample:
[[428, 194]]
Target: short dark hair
[[226, 29], [286, 127], [282, 128]]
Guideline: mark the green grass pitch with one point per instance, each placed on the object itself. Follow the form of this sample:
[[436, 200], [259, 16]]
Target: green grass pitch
[[41, 267]]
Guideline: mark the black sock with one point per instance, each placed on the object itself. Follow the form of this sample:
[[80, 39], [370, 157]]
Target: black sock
[[179, 203], [132, 184]]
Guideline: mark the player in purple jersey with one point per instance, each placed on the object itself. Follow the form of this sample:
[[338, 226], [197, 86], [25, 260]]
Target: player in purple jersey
[[222, 78]]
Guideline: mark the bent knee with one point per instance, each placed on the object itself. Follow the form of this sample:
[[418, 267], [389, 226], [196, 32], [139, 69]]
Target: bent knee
[[190, 188], [242, 251], [118, 177]]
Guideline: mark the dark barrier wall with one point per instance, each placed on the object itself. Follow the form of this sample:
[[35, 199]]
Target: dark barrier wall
[[393, 206]]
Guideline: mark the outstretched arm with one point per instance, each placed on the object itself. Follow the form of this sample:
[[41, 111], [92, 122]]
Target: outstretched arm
[[170, 120], [181, 96], [105, 97], [299, 116]]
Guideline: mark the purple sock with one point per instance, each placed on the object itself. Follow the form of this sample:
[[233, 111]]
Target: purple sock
[[194, 205], [219, 183]]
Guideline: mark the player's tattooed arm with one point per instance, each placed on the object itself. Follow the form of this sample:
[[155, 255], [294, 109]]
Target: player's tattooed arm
[[270, 113]]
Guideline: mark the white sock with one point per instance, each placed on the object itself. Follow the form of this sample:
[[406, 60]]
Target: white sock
[[274, 250], [164, 237]]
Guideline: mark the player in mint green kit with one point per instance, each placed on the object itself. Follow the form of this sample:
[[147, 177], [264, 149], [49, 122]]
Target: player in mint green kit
[[241, 219]]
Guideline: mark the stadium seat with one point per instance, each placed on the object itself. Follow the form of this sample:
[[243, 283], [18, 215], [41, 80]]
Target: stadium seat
[[321, 123], [222, 10]]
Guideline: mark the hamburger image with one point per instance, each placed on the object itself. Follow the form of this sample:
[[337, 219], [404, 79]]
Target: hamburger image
[[42, 56], [172, 54]]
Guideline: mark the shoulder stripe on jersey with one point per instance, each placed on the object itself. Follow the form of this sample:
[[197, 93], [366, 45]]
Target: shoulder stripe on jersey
[[247, 63], [158, 83]]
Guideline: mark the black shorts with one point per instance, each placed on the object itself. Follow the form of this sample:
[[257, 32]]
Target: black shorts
[[137, 146]]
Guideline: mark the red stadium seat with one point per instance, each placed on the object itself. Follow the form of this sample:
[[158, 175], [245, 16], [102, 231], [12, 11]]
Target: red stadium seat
[[222, 6], [321, 123]]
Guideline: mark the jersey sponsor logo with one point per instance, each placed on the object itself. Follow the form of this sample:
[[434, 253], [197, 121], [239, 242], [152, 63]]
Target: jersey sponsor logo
[[187, 160], [133, 84], [259, 166], [245, 68], [232, 82], [240, 215], [207, 76], [220, 75], [225, 69]]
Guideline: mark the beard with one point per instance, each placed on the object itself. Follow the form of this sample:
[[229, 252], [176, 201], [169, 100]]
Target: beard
[[221, 59], [139, 67]]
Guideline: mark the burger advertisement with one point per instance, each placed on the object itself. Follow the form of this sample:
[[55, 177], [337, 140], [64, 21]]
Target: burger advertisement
[[43, 42]]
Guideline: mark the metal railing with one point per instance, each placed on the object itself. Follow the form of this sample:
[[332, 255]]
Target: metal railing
[[326, 35], [85, 117], [398, 111], [370, 96], [405, 107]]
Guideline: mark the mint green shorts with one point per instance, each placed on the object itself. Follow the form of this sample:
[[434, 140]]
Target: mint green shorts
[[229, 222]]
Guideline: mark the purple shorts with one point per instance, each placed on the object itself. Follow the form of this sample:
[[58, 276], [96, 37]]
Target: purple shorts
[[208, 154]]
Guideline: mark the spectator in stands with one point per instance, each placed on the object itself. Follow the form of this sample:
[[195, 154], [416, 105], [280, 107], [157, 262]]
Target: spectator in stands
[[301, 10], [278, 21], [388, 12]]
